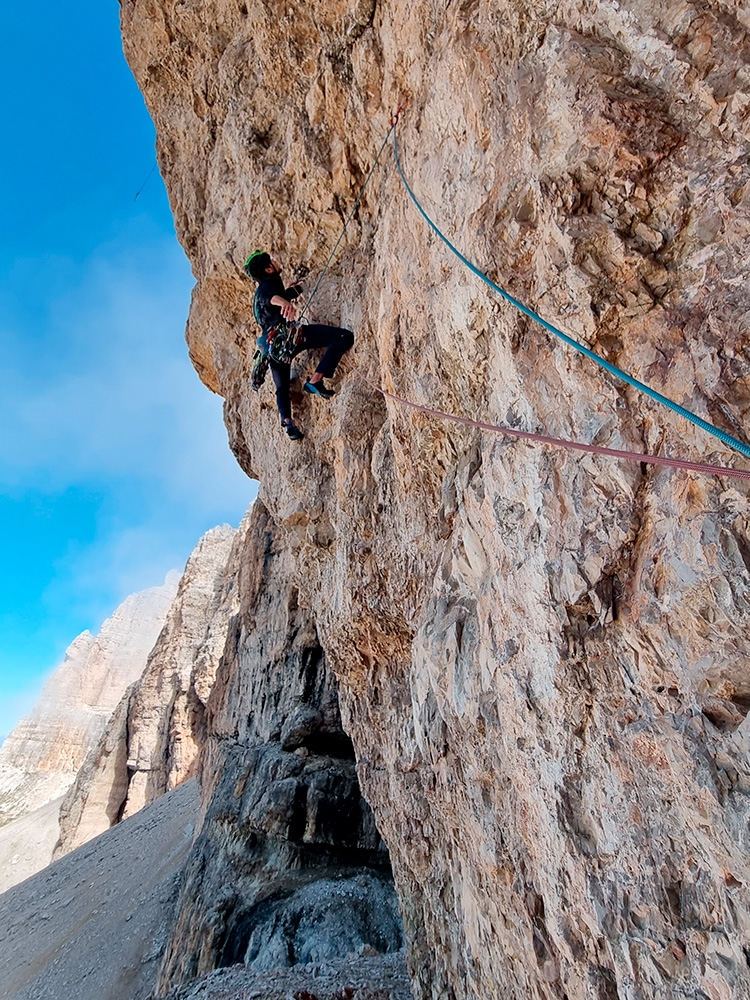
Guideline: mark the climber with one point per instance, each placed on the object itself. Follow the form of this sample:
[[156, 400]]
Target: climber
[[275, 315]]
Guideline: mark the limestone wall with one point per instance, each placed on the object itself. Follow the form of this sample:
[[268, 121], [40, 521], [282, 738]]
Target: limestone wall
[[542, 658]]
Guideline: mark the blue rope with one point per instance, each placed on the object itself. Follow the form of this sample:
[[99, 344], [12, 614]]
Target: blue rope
[[612, 369]]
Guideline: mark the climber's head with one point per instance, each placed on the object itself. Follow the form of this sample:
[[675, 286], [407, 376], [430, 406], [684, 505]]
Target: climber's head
[[259, 265]]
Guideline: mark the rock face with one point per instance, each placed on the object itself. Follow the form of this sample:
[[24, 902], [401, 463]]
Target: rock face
[[288, 867], [41, 756], [151, 742], [542, 659]]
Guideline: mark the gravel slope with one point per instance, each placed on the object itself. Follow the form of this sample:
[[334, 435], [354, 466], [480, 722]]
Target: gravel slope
[[356, 978], [26, 844], [92, 926]]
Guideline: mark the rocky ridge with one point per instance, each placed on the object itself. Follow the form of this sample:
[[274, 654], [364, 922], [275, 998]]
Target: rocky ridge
[[122, 721], [541, 658], [152, 739], [40, 758]]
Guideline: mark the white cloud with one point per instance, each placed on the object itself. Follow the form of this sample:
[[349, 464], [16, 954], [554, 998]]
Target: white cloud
[[122, 399]]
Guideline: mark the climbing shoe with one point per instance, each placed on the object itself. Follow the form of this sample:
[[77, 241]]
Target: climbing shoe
[[293, 432], [318, 389]]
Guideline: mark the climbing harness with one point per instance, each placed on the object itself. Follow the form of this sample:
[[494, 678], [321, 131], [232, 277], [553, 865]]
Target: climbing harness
[[392, 126], [284, 340], [732, 442], [593, 449]]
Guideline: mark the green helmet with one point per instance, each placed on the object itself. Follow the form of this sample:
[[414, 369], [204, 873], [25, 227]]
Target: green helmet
[[256, 264]]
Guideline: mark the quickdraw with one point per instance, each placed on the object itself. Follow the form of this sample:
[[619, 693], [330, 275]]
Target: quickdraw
[[398, 112]]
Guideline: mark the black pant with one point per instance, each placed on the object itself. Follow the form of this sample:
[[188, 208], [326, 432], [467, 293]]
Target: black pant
[[337, 340]]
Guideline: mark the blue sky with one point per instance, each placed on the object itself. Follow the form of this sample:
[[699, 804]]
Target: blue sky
[[113, 456]]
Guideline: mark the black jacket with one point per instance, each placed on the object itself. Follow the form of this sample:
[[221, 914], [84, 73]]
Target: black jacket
[[268, 316]]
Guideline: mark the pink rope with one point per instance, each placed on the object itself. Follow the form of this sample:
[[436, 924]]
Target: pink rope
[[593, 449]]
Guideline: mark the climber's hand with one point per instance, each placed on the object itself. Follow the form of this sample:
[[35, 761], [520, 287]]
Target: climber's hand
[[287, 310]]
